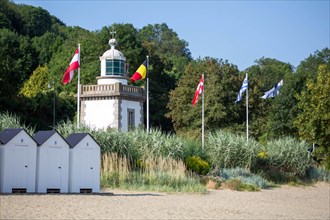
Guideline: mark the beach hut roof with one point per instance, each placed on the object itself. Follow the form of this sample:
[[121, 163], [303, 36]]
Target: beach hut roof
[[75, 138], [9, 133], [42, 136]]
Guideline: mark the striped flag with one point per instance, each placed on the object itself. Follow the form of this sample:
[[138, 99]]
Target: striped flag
[[74, 64], [140, 73], [273, 91], [243, 89], [199, 90]]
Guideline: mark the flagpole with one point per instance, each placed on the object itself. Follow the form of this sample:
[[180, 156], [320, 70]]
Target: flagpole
[[147, 94], [78, 95], [247, 112], [203, 113]]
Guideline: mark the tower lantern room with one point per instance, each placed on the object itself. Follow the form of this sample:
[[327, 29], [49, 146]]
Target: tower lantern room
[[113, 66]]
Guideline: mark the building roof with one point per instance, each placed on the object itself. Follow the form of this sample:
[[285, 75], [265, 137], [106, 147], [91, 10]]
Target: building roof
[[42, 136], [75, 138], [112, 53], [9, 133]]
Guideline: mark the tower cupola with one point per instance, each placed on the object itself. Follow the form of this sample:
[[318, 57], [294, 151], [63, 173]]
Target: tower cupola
[[113, 65]]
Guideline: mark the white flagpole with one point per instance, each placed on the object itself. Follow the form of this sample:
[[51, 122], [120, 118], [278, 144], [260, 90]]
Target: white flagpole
[[203, 112], [247, 110], [147, 94], [78, 95]]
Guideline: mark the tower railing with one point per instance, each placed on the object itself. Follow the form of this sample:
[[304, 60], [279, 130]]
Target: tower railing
[[112, 89]]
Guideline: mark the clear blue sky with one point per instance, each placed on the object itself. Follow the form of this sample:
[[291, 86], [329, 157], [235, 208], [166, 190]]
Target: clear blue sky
[[238, 31]]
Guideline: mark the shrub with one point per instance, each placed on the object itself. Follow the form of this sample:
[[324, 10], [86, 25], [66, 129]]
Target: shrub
[[245, 177], [318, 174], [197, 165]]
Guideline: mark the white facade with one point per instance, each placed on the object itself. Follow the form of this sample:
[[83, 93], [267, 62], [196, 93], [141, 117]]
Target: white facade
[[18, 159], [85, 160], [100, 113], [52, 164], [128, 106]]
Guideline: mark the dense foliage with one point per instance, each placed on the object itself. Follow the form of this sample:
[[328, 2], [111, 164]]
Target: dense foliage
[[36, 48]]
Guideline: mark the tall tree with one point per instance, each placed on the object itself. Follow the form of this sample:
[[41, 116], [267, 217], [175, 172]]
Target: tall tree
[[262, 77], [220, 94], [313, 122], [285, 108], [168, 57]]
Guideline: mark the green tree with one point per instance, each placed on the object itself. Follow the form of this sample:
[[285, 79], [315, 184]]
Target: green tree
[[168, 57], [219, 97], [262, 77], [11, 68], [285, 107], [313, 123]]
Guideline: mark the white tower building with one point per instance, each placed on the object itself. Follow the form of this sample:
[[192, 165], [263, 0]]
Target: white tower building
[[112, 103]]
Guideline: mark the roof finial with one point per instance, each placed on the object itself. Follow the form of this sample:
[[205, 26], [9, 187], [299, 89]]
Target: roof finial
[[113, 32], [112, 41]]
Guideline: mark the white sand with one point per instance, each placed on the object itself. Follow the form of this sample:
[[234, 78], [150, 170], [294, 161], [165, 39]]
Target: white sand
[[311, 202]]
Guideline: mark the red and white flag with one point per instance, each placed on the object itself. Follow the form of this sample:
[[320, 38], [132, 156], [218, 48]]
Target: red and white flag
[[74, 64], [199, 90]]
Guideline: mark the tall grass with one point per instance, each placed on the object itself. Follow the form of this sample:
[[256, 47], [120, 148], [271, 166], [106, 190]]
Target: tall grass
[[153, 173], [8, 120], [136, 144], [227, 150], [288, 156]]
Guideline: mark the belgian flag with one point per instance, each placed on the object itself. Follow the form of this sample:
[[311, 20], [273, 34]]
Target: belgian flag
[[140, 73]]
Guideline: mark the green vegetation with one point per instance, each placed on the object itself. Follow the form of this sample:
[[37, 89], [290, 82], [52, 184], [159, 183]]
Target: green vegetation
[[147, 161], [156, 174], [36, 48], [197, 165]]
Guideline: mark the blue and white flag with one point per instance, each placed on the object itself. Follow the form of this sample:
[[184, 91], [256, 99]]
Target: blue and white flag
[[243, 89], [273, 91]]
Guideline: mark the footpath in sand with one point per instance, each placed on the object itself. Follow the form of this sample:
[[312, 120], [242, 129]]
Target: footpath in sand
[[286, 202]]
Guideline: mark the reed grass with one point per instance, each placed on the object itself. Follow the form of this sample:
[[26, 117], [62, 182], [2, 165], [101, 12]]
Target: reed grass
[[8, 120], [153, 173], [227, 150], [288, 156]]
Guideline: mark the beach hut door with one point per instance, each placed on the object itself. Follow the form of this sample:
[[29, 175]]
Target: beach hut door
[[19, 166], [55, 167]]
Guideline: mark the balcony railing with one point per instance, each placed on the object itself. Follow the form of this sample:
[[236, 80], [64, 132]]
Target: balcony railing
[[112, 90]]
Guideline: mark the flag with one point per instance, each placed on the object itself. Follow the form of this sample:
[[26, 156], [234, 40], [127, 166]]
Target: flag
[[140, 73], [243, 89], [74, 64], [199, 91], [273, 91]]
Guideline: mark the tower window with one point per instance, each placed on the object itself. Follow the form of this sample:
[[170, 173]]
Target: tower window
[[130, 119], [115, 67]]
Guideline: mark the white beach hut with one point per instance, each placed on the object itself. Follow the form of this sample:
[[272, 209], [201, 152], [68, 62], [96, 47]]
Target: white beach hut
[[84, 163], [52, 162], [18, 156]]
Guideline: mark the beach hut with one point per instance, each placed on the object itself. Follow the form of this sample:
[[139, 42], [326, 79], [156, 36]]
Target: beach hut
[[52, 162], [18, 156], [84, 163]]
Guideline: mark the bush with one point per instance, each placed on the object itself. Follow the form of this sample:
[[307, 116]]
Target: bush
[[245, 177], [318, 174], [197, 165]]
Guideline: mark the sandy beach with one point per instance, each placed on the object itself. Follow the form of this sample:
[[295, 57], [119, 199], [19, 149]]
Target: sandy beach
[[286, 202]]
